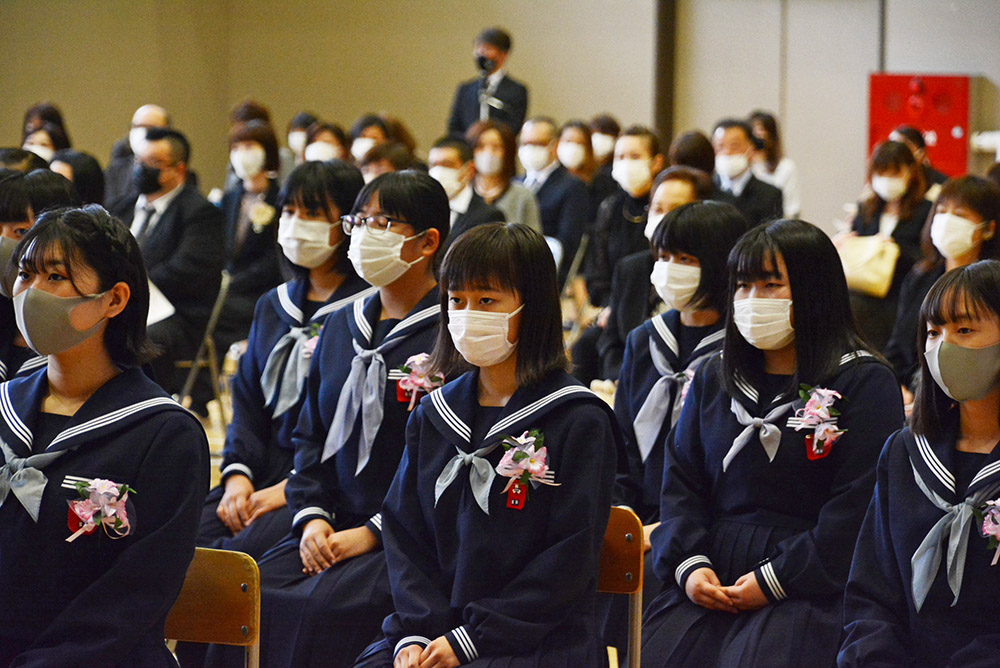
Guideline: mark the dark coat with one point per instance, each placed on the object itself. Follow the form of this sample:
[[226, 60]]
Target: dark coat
[[513, 95], [478, 213], [564, 203], [760, 202]]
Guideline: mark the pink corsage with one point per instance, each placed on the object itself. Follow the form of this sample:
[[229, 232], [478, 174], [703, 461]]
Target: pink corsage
[[524, 461], [991, 527], [819, 415], [419, 378], [309, 347], [101, 503]]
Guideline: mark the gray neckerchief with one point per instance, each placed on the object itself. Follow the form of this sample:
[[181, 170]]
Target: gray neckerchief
[[23, 476], [770, 435], [649, 420], [481, 474], [286, 370], [953, 529]]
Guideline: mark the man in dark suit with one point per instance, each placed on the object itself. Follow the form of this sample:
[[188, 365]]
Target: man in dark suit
[[451, 163], [562, 198], [494, 95], [734, 144], [118, 184], [181, 236]]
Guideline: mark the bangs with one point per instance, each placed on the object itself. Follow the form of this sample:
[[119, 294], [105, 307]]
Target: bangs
[[679, 235], [486, 265], [952, 303], [49, 247], [754, 257]]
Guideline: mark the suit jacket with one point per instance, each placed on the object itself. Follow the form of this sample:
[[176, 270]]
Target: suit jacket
[[118, 185], [512, 94], [478, 213], [254, 266], [564, 203], [184, 254], [760, 202]]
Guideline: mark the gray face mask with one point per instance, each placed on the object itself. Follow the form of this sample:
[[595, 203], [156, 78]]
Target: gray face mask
[[964, 374], [7, 247], [45, 320]]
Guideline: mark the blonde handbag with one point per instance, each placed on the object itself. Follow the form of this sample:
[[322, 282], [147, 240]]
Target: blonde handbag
[[869, 263]]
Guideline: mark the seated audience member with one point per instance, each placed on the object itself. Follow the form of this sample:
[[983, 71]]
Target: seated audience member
[[83, 170], [37, 115], [399, 133], [563, 200], [895, 209], [326, 585], [914, 140], [45, 141], [486, 569], [383, 158], [771, 165], [244, 112], [494, 150], [734, 180], [21, 160], [493, 95], [692, 149], [96, 590], [452, 165], [993, 173], [576, 153], [604, 131], [181, 235], [49, 190], [16, 218], [118, 183], [325, 141], [962, 229], [296, 135], [923, 583], [757, 519], [366, 133]]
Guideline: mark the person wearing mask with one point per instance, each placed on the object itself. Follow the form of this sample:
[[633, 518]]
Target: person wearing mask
[[45, 141], [604, 131], [453, 166], [772, 166], [181, 235], [494, 150], [962, 230], [576, 153], [770, 466], [383, 158], [895, 209], [296, 135], [734, 146], [39, 114], [563, 200], [16, 218], [914, 140], [325, 141], [83, 170], [493, 96], [923, 583], [368, 132], [118, 184], [692, 149]]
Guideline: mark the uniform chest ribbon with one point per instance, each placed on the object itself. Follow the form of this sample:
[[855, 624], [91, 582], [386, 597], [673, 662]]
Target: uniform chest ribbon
[[952, 529], [23, 476], [481, 475], [286, 370], [769, 433], [363, 392], [649, 420]]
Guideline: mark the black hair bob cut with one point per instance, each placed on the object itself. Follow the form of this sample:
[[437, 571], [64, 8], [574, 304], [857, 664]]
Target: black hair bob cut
[[707, 230], [510, 257], [92, 237], [824, 324], [971, 291]]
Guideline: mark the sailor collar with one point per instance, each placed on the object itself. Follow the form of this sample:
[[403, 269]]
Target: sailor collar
[[934, 462], [363, 317], [293, 293], [663, 336]]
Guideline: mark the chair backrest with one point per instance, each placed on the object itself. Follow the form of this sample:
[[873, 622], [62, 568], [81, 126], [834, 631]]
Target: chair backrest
[[219, 602], [220, 301], [622, 554]]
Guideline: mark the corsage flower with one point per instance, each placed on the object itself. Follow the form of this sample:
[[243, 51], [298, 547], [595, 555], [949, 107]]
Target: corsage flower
[[261, 214], [419, 377], [309, 347], [101, 503], [991, 527], [526, 460], [819, 415]]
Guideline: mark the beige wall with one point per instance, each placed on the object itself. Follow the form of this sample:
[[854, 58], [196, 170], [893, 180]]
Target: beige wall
[[100, 60]]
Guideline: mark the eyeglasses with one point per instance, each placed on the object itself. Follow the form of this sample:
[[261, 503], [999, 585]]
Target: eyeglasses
[[377, 224]]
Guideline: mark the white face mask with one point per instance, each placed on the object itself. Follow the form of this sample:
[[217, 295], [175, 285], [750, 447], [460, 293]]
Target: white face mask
[[320, 151], [449, 179], [376, 256], [675, 283], [137, 140], [603, 144], [952, 235], [481, 336], [247, 162], [571, 154], [43, 152], [297, 141], [534, 158], [488, 164], [731, 166], [653, 221], [889, 188], [305, 243], [764, 323], [361, 146], [634, 176]]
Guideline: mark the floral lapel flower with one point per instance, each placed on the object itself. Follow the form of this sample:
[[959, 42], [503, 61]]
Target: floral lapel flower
[[309, 347], [991, 527], [525, 460], [261, 214], [820, 415], [101, 503], [419, 378]]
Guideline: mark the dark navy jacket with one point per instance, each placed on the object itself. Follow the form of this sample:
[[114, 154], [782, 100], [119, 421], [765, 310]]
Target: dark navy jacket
[[97, 601], [564, 204], [512, 94]]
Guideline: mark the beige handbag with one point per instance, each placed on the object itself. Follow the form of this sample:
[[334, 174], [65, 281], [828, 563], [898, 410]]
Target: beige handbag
[[869, 263]]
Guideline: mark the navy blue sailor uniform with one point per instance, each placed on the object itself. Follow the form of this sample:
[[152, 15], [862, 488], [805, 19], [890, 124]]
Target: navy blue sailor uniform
[[743, 491], [95, 601], [348, 443], [922, 589], [268, 392], [505, 586]]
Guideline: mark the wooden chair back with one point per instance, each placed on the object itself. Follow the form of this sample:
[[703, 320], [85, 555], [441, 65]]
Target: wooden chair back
[[621, 573]]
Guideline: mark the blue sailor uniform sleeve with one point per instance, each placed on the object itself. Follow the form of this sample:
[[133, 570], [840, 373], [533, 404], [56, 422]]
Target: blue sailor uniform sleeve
[[628, 486], [876, 627], [681, 542], [137, 591], [816, 562]]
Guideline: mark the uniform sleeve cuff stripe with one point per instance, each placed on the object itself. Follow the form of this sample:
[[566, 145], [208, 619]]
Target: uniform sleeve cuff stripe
[[311, 511], [376, 519], [238, 468], [411, 640], [465, 643], [767, 570], [688, 563]]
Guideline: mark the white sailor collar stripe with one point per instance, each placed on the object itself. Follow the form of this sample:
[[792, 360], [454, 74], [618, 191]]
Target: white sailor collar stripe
[[666, 336], [10, 416], [288, 304], [327, 309]]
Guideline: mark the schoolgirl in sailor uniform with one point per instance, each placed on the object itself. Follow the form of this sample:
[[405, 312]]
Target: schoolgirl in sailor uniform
[[324, 587], [770, 467], [247, 511], [924, 581], [81, 430], [492, 562]]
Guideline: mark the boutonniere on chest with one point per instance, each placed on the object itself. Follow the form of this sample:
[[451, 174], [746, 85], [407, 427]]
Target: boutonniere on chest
[[525, 461], [309, 347], [101, 504], [419, 378], [989, 515], [261, 214], [819, 415]]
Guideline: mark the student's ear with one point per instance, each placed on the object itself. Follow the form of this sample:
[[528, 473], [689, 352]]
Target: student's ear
[[657, 164], [432, 241], [990, 230], [120, 295]]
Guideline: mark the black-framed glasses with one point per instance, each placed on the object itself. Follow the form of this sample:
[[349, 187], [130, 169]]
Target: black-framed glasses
[[376, 224]]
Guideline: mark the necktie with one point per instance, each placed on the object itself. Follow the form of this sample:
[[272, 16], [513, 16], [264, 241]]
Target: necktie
[[141, 230]]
